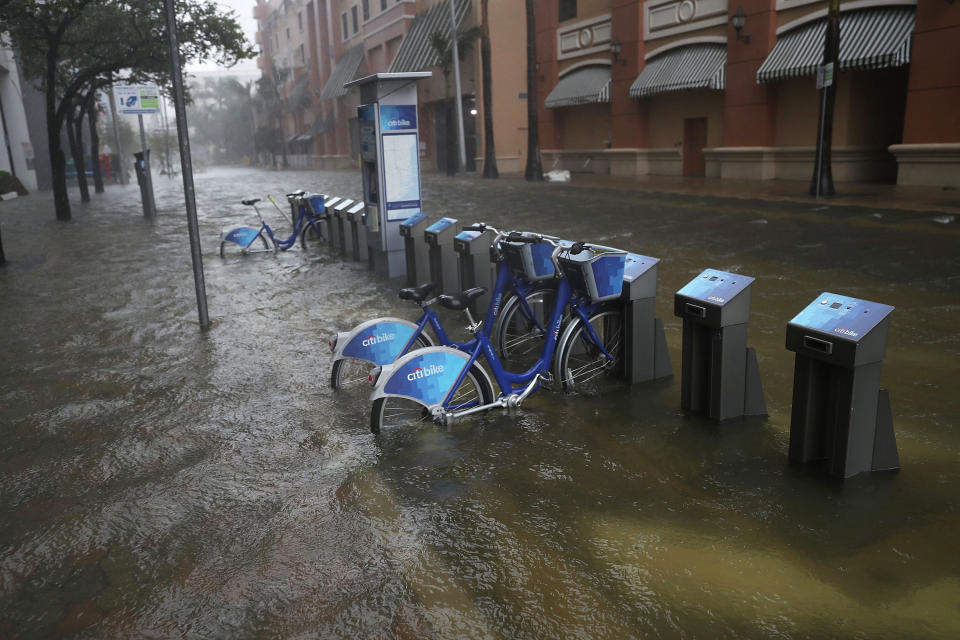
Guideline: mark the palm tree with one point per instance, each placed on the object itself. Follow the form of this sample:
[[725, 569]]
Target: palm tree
[[443, 47], [534, 170], [489, 149]]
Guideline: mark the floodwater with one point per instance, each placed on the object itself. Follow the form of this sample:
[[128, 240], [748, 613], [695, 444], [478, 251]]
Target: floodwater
[[161, 481]]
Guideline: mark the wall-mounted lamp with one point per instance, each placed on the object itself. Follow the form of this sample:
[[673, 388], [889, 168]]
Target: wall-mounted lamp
[[615, 48], [738, 20]]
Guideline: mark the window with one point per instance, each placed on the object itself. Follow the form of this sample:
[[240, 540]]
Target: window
[[343, 23], [366, 10], [353, 15], [383, 5], [300, 20], [568, 9]]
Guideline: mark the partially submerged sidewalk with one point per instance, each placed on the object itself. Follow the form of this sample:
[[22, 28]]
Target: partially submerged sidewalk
[[887, 196]]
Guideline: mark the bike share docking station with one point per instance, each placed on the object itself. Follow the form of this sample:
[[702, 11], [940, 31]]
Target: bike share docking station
[[442, 259], [720, 374], [645, 345], [416, 253], [334, 232], [358, 232], [390, 163], [475, 265], [342, 227], [841, 418]]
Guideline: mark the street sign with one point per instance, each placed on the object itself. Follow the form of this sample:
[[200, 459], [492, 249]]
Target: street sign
[[138, 98], [824, 75]]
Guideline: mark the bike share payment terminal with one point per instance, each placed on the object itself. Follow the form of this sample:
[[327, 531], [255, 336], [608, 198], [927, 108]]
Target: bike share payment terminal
[[416, 250], [443, 260], [720, 374], [360, 252], [474, 266], [390, 163], [645, 344], [841, 418], [343, 230], [334, 231]]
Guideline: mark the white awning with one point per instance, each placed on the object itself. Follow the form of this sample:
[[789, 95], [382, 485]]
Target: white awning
[[416, 53], [873, 38], [695, 66], [588, 85]]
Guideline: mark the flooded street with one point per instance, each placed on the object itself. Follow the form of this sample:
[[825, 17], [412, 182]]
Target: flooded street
[[161, 481]]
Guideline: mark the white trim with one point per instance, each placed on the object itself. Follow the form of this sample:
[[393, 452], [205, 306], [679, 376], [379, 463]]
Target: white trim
[[784, 5], [603, 22], [683, 43], [719, 9], [586, 22], [593, 62], [847, 6]]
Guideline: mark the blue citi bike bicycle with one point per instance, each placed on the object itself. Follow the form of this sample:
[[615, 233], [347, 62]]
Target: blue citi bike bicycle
[[307, 226], [522, 296], [444, 384]]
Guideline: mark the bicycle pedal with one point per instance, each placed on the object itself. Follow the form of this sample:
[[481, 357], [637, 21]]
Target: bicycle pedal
[[546, 380]]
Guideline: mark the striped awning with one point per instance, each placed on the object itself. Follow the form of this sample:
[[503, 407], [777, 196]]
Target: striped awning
[[869, 39], [416, 53], [343, 72], [588, 85], [695, 66]]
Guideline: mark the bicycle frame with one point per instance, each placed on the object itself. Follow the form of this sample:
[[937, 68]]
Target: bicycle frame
[[303, 217]]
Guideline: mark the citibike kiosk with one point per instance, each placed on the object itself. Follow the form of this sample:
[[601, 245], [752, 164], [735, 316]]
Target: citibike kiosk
[[390, 163], [416, 249], [358, 231], [645, 343], [474, 265], [334, 235], [342, 226], [443, 260], [720, 375], [841, 418]]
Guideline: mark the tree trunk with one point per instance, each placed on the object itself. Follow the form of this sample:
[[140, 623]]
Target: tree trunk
[[75, 138], [58, 163], [3, 258], [94, 141], [489, 148], [534, 170]]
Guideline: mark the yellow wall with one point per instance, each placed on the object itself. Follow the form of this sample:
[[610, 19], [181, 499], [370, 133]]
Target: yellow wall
[[509, 73], [668, 111]]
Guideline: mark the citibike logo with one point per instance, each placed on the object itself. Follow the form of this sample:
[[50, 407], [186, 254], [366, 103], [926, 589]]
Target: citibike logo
[[846, 332], [398, 123], [496, 303], [371, 340], [420, 372]]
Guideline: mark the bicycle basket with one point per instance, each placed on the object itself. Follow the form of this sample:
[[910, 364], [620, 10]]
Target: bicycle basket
[[596, 272], [530, 261], [315, 203]]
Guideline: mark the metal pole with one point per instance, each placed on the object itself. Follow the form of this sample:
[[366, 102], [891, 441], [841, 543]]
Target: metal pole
[[457, 103], [185, 166], [150, 206], [122, 168], [166, 134], [822, 183]]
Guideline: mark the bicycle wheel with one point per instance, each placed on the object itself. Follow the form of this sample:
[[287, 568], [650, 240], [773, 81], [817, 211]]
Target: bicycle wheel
[[580, 366], [352, 373], [519, 332], [310, 235], [392, 412], [259, 244]]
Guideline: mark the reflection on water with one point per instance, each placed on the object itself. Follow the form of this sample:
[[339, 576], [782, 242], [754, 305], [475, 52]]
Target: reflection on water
[[156, 480]]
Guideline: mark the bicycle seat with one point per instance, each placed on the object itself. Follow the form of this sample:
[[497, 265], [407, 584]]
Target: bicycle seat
[[417, 294], [250, 201], [462, 300]]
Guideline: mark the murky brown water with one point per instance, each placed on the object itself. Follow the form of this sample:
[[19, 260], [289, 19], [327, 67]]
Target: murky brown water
[[158, 481]]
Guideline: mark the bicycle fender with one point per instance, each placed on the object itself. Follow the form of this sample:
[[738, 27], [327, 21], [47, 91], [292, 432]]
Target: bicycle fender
[[424, 375], [378, 341], [243, 236]]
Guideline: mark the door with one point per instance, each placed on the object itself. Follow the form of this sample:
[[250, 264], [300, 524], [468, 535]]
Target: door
[[694, 140]]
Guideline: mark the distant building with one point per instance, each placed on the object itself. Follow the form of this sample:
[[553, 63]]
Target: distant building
[[17, 155], [669, 87], [326, 43]]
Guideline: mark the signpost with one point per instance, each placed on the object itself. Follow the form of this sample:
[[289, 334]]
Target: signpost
[[822, 184], [141, 99]]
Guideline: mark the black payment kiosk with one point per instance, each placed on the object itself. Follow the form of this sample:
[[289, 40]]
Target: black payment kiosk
[[720, 373], [841, 417], [416, 251], [645, 344], [473, 264]]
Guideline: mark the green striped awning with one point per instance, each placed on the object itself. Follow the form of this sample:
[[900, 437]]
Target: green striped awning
[[588, 85], [695, 66], [416, 53], [873, 38], [343, 72]]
